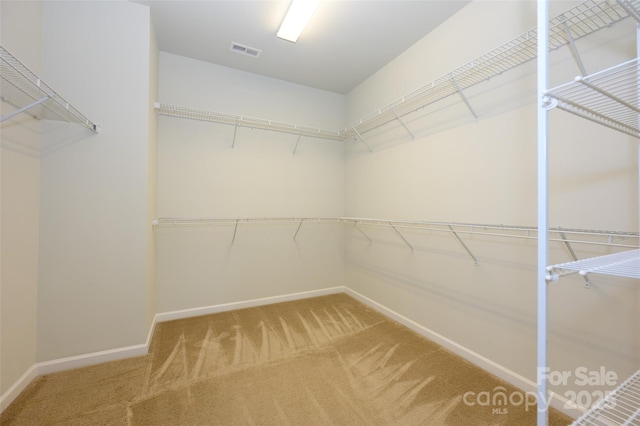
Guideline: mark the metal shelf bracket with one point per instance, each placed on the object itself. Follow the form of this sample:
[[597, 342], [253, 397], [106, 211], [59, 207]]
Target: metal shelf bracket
[[362, 139], [455, 234], [24, 108], [295, 148], [464, 98], [235, 131], [403, 123], [355, 224], [572, 46], [401, 236], [298, 230], [587, 283], [235, 230]]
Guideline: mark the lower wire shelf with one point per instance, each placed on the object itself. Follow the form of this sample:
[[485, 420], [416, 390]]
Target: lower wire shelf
[[623, 264], [620, 407]]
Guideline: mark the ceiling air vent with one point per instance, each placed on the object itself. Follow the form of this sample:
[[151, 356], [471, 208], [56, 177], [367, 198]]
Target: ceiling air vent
[[245, 50]]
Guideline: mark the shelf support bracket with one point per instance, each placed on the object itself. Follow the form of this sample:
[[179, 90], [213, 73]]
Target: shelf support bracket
[[587, 283], [235, 131], [23, 109], [403, 123], [572, 46], [295, 148], [298, 230], [455, 234], [362, 139], [464, 98], [401, 236], [362, 232], [235, 230]]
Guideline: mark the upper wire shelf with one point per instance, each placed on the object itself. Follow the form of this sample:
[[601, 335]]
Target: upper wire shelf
[[25, 91], [578, 22], [609, 97], [582, 20], [243, 121]]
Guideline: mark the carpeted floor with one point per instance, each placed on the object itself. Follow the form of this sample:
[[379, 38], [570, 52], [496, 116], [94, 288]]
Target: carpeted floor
[[323, 361]]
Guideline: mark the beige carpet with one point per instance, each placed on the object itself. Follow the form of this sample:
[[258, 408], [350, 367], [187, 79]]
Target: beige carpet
[[323, 361]]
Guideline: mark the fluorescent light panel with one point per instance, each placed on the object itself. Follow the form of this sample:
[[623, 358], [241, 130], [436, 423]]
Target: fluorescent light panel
[[297, 17]]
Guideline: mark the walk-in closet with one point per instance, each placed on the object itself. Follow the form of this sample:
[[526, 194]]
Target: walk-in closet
[[419, 212]]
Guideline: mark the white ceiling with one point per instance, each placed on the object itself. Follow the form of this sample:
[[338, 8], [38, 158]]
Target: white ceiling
[[345, 42]]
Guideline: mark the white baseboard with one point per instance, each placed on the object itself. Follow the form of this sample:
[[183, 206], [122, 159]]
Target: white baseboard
[[86, 360], [69, 363], [20, 385], [194, 312], [557, 401]]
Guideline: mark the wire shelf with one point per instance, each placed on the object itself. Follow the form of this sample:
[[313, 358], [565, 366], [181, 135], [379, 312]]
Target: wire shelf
[[247, 122], [632, 7], [227, 221], [609, 97], [26, 92], [624, 264], [620, 239], [580, 21], [620, 407]]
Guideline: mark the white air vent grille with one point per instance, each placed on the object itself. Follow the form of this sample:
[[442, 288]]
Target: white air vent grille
[[245, 50]]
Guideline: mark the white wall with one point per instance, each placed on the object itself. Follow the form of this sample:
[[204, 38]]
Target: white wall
[[21, 34], [96, 189], [152, 174], [485, 172], [201, 175]]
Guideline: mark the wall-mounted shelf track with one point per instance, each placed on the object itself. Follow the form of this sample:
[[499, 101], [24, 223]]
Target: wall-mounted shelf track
[[27, 93], [609, 97], [247, 122], [620, 407], [580, 21]]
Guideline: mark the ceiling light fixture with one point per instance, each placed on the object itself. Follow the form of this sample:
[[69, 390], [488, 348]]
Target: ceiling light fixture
[[297, 17]]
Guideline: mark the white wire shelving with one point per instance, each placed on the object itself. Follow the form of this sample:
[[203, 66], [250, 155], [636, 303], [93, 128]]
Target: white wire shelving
[[566, 236], [632, 7], [580, 21], [624, 264], [27, 93], [225, 221], [609, 97], [620, 407], [244, 121]]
